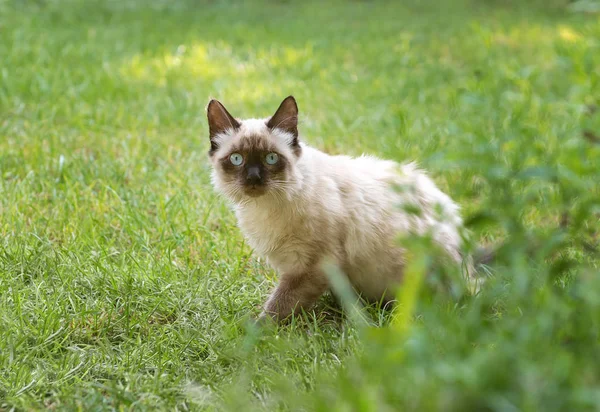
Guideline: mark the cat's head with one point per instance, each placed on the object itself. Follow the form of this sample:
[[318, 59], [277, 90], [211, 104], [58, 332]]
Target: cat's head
[[254, 157]]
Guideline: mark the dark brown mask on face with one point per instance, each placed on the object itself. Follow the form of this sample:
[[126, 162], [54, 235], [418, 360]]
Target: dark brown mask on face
[[253, 159]]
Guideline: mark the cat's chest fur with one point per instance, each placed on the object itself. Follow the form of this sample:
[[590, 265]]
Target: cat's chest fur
[[285, 236]]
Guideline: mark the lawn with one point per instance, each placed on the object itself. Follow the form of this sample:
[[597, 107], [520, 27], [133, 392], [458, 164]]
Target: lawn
[[124, 282]]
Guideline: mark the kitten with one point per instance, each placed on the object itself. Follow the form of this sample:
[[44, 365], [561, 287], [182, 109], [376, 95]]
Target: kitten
[[298, 206]]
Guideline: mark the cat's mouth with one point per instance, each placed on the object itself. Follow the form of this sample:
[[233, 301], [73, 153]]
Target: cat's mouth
[[255, 190]]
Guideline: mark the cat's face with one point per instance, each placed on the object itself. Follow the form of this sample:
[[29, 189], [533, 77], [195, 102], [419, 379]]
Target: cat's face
[[254, 157]]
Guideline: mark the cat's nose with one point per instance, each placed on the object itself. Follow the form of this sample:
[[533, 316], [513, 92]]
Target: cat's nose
[[253, 176]]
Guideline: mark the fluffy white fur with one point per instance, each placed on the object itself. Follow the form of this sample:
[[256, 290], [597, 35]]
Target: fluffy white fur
[[358, 205], [351, 210]]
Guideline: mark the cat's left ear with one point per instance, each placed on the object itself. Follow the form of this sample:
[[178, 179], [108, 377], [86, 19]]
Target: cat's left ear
[[219, 121], [286, 119]]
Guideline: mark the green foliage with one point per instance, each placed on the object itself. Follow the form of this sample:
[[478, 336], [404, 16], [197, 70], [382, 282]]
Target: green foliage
[[125, 284]]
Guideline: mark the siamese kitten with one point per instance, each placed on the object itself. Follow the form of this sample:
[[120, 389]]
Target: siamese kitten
[[298, 206]]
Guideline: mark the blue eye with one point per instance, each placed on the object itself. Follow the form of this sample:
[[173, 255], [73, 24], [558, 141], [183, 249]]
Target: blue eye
[[236, 159], [272, 158]]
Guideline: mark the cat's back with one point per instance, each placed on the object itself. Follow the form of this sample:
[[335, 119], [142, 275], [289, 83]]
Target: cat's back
[[377, 200], [365, 184], [349, 175], [371, 183]]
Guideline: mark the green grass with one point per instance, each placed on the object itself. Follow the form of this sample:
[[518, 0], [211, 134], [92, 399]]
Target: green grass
[[124, 282]]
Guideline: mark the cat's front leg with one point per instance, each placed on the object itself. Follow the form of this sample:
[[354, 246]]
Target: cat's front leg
[[294, 292]]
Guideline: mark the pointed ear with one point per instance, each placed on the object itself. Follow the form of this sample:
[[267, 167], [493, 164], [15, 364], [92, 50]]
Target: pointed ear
[[286, 118], [219, 120]]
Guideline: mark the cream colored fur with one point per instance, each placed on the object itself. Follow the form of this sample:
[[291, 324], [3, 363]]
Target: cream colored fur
[[351, 210]]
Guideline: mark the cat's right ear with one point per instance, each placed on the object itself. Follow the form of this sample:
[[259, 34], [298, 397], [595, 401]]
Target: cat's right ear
[[286, 119], [219, 121]]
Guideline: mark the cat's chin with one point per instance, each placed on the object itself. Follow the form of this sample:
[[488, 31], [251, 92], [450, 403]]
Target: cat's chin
[[255, 191]]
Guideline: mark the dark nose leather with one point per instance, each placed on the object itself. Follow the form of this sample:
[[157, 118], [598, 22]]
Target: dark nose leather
[[253, 176]]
